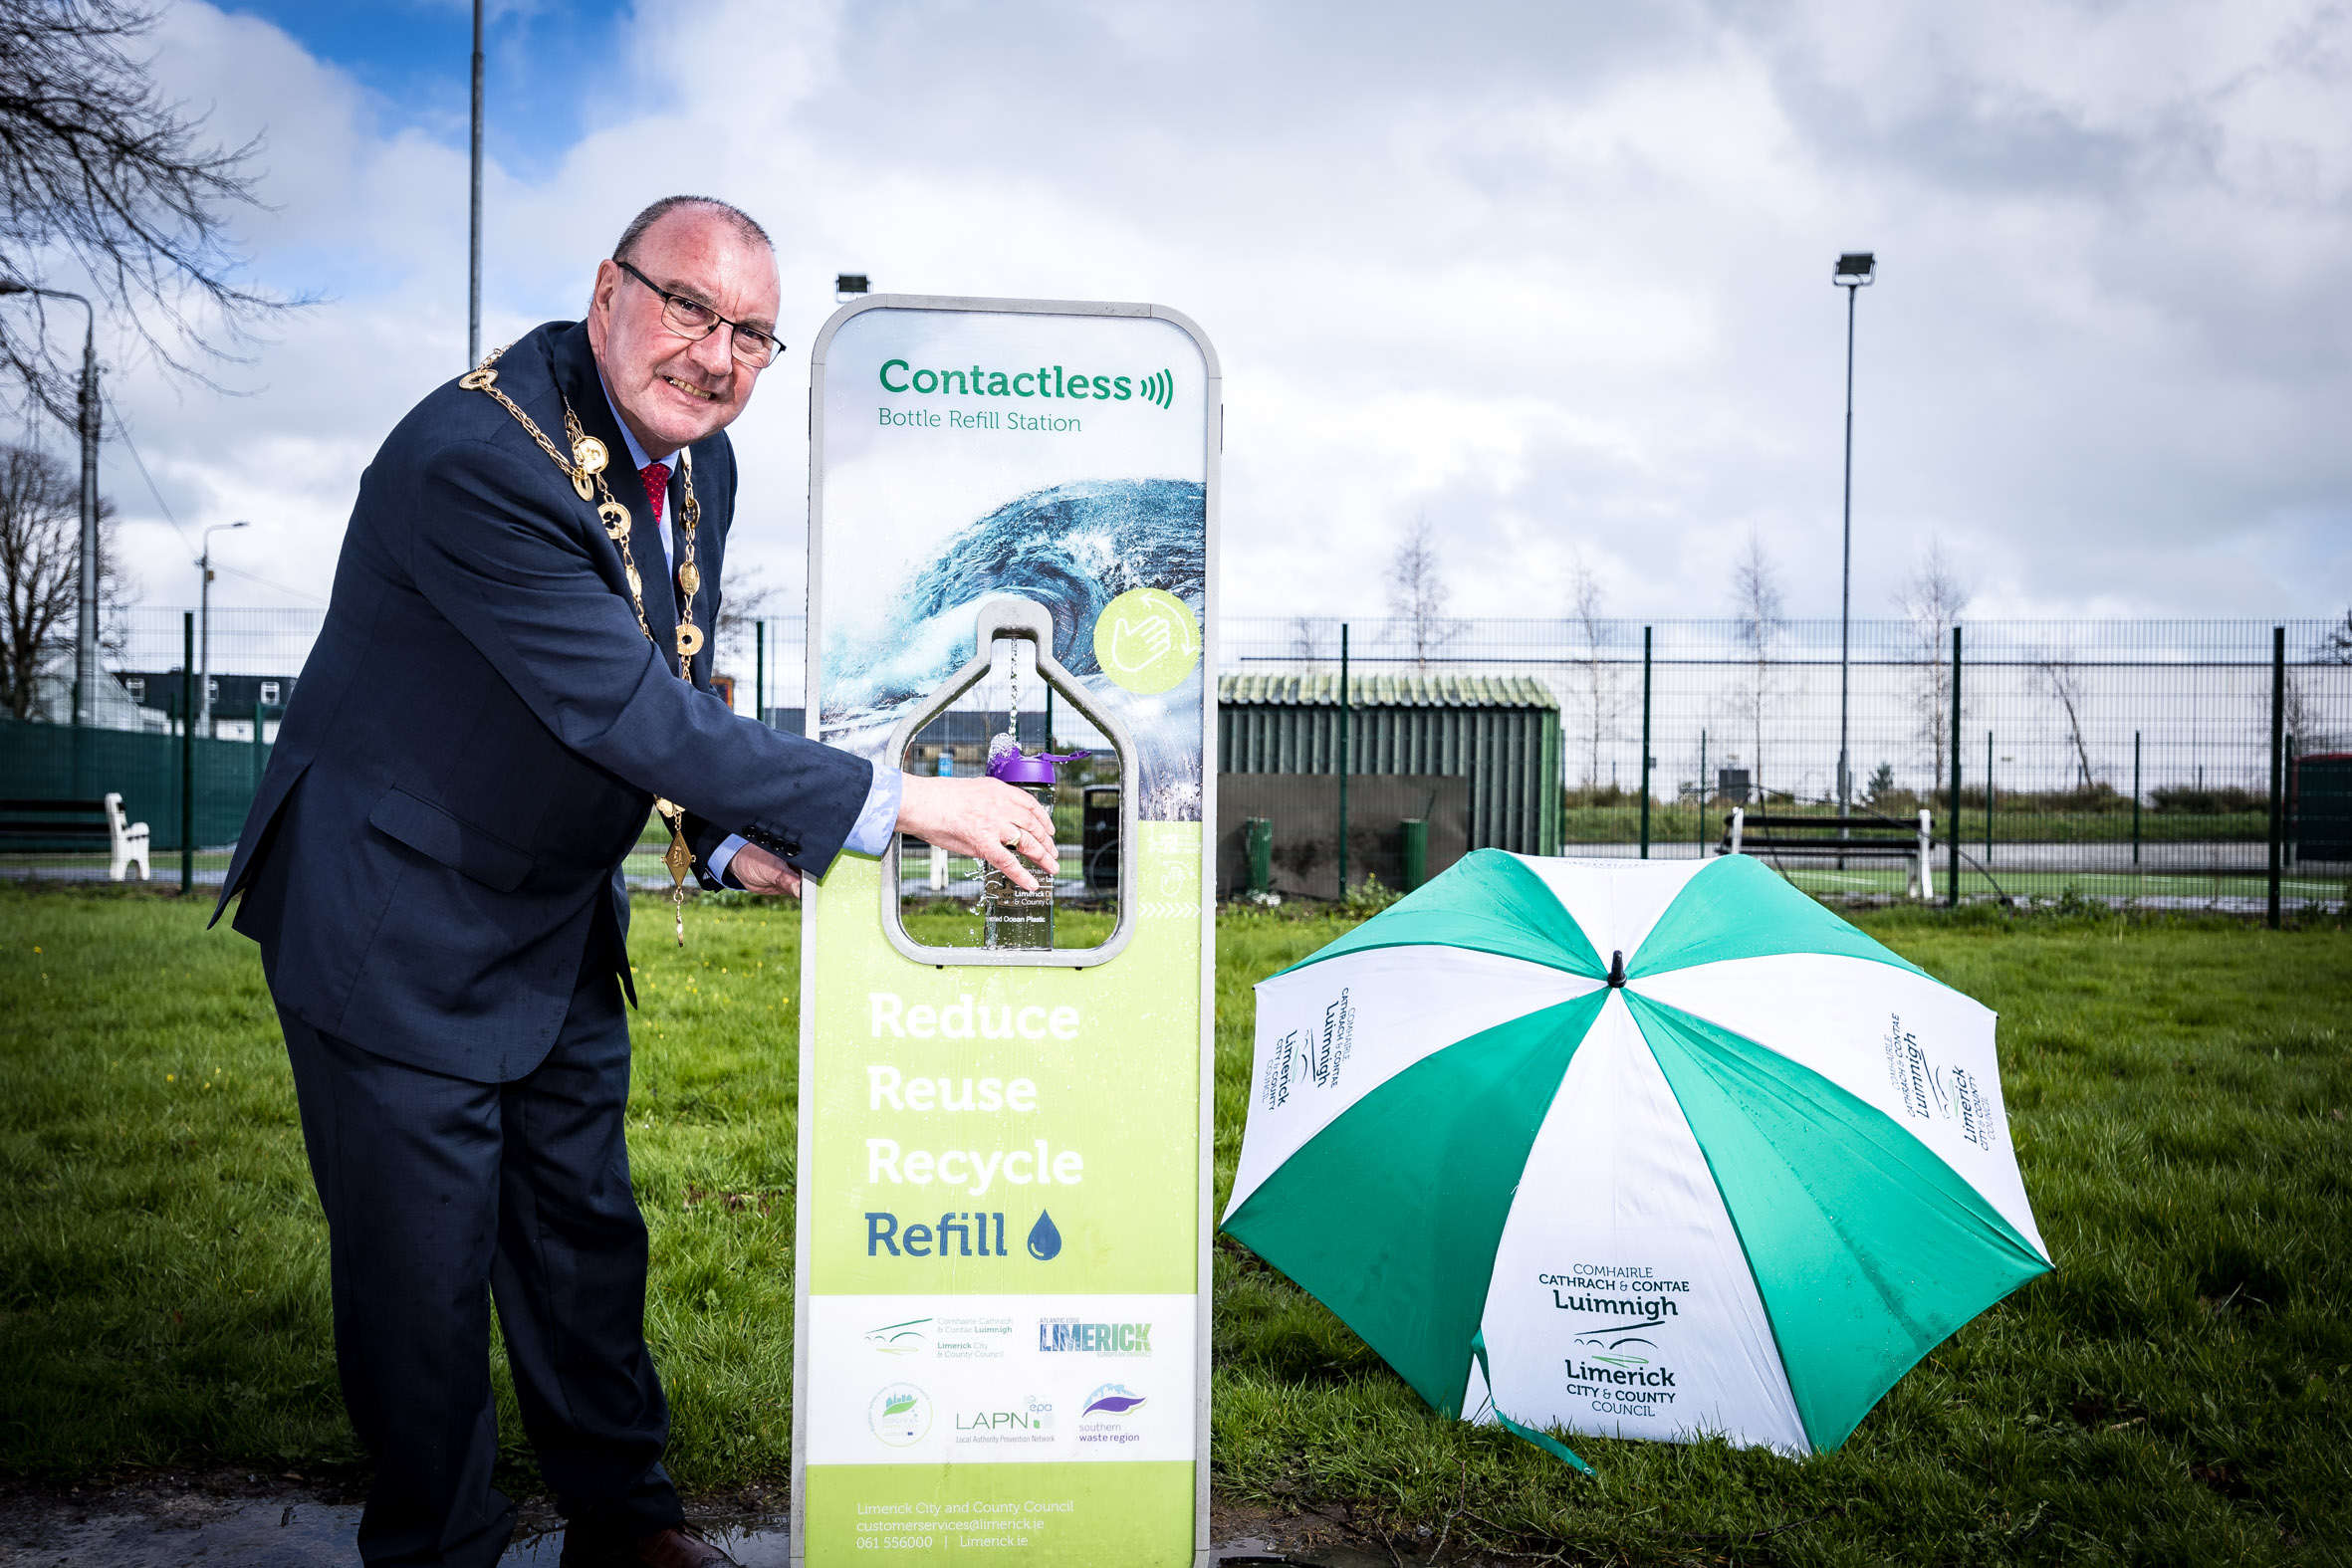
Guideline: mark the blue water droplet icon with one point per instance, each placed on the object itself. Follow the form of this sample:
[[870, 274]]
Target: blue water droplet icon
[[1045, 1242]]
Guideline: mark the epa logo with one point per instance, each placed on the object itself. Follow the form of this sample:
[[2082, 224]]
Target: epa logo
[[901, 1414]]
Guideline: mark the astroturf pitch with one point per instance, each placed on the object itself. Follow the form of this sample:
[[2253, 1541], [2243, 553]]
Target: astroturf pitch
[[2178, 1391]]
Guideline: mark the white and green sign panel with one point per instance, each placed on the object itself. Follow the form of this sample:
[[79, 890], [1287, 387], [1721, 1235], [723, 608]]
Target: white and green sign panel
[[1002, 1273]]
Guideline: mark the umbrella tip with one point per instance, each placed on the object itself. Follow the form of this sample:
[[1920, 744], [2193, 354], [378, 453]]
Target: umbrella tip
[[1617, 968]]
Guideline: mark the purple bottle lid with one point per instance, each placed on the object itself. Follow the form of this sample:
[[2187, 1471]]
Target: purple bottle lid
[[1015, 768]]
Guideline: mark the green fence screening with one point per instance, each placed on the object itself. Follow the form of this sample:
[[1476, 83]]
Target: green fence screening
[[54, 761]]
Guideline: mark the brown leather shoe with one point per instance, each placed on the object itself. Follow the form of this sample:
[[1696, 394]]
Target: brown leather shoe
[[681, 1546]]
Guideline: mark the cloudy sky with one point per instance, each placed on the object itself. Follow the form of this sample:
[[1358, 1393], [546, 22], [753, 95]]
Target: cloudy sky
[[1554, 277]]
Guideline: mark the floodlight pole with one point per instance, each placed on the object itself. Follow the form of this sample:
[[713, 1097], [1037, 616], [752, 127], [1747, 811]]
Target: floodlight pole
[[1346, 725], [1853, 273], [204, 627], [473, 310]]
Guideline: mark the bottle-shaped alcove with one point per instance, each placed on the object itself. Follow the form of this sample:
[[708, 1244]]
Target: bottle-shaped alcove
[[1014, 713]]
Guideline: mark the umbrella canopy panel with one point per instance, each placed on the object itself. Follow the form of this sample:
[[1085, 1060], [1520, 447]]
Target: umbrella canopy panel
[[1734, 1178]]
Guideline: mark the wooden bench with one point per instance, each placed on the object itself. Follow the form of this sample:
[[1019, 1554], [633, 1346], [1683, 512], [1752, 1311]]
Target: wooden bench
[[1864, 837], [75, 827]]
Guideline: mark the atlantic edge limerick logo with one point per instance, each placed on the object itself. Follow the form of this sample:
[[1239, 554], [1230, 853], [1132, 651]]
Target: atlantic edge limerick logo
[[1065, 1335], [899, 1414]]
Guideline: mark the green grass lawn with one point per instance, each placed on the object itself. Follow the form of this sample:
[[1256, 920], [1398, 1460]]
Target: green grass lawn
[[2178, 1391]]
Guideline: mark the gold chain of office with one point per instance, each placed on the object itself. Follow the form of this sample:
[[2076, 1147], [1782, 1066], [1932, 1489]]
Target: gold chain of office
[[585, 468]]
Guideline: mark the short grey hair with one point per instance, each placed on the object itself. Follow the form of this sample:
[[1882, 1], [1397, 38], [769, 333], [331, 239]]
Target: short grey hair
[[744, 224]]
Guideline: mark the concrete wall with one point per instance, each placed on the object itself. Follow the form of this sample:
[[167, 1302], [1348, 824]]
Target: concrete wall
[[1304, 810]]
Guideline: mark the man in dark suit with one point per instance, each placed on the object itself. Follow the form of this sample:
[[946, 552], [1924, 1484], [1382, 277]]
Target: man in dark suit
[[432, 868]]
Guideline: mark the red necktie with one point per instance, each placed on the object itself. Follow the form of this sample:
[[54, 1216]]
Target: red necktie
[[657, 487]]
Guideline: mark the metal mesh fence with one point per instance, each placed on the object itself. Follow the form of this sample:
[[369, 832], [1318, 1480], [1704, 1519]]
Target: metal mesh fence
[[2119, 759], [2116, 760]]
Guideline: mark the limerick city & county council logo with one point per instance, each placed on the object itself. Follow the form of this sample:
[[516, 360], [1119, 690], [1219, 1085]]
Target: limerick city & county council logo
[[1112, 1399], [900, 1339], [901, 1414]]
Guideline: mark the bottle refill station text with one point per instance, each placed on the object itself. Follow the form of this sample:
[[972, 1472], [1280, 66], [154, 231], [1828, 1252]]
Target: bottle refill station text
[[1002, 1305]]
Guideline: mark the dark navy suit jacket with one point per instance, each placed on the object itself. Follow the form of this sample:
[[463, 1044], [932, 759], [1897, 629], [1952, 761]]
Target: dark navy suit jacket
[[478, 735]]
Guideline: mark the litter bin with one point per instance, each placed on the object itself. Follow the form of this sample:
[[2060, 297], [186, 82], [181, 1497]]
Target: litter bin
[[1098, 829], [1257, 844], [1413, 847]]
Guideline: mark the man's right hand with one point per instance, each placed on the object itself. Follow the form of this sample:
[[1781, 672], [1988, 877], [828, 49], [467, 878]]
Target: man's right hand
[[983, 817]]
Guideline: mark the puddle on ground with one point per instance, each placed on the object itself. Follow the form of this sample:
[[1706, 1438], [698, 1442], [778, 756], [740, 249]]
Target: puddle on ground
[[277, 1534]]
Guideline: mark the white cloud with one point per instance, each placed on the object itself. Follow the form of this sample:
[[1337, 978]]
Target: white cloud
[[1557, 280]]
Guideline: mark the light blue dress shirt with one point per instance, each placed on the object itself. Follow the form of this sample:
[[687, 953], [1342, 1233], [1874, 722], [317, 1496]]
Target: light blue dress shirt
[[876, 819]]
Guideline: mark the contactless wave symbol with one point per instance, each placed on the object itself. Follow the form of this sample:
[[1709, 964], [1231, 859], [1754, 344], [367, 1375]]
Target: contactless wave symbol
[[1159, 387]]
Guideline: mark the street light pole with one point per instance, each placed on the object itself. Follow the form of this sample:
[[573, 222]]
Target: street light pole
[[204, 629], [473, 308], [1856, 271], [86, 626]]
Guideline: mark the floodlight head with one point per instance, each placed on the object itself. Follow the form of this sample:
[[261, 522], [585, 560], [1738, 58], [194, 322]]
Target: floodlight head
[[849, 283], [1855, 269]]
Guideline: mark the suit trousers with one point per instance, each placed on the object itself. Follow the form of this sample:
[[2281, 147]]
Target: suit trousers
[[442, 1194]]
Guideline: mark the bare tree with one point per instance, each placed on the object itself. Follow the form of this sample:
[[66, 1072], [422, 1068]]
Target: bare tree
[[2336, 647], [1417, 593], [1309, 641], [106, 179], [746, 599], [1756, 603], [2301, 714], [1587, 600], [2064, 675], [1933, 599], [40, 547]]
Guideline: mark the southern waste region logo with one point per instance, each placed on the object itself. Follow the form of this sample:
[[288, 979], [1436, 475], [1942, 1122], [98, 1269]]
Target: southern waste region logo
[[901, 1414], [1624, 1317], [1933, 1093], [1314, 1054], [1103, 1417]]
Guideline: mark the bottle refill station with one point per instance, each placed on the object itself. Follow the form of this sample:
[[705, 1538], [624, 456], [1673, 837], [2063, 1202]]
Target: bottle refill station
[[1002, 1310]]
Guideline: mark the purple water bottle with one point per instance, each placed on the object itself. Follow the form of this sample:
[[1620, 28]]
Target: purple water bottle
[[1012, 917]]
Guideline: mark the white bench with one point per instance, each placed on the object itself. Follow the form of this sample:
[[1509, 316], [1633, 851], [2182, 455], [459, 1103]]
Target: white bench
[[75, 828], [129, 842]]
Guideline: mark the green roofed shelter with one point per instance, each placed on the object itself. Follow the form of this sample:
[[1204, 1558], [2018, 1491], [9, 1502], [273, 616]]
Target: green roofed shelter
[[1499, 733]]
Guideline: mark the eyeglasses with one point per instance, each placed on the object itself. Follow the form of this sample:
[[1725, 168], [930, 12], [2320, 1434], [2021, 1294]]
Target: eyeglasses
[[695, 319]]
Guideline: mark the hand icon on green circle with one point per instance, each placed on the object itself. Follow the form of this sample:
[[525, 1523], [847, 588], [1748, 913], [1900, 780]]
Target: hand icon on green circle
[[1147, 640]]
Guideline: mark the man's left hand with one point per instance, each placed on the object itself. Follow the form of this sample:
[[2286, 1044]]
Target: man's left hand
[[760, 872]]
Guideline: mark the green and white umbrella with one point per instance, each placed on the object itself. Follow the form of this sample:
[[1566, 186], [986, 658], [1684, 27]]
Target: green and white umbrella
[[1638, 1149]]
